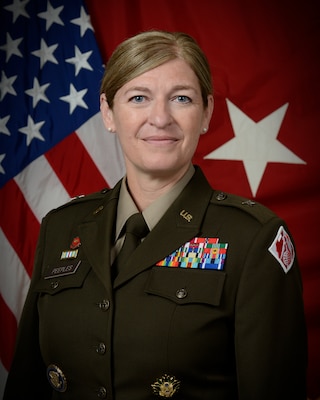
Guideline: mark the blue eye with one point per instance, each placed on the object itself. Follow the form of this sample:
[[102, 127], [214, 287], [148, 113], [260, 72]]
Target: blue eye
[[137, 99], [183, 99]]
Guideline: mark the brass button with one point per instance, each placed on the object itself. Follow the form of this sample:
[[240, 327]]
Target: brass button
[[221, 196], [102, 392], [181, 293], [54, 284], [104, 305], [101, 349]]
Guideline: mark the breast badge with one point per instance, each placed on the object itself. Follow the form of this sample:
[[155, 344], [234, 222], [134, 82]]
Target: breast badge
[[166, 386], [56, 378]]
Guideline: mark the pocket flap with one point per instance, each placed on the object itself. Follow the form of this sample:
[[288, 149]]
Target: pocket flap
[[65, 276], [186, 285]]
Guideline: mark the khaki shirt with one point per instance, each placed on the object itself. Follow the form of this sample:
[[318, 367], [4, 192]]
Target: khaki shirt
[[152, 214]]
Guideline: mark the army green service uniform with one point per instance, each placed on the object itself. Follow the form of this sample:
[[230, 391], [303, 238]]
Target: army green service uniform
[[166, 327]]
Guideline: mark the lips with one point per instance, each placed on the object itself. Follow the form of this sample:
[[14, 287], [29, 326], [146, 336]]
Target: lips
[[160, 140]]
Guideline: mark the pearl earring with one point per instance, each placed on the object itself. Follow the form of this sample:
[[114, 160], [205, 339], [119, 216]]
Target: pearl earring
[[109, 129], [204, 130]]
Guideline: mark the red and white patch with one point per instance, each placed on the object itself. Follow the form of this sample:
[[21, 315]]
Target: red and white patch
[[283, 250]]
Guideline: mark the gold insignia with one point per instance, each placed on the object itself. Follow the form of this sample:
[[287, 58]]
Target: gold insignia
[[56, 378], [166, 386], [98, 210], [187, 216]]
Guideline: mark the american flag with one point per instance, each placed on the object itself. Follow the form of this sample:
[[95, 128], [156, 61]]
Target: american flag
[[52, 142]]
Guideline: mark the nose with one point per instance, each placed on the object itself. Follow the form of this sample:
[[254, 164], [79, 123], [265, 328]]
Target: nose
[[160, 114]]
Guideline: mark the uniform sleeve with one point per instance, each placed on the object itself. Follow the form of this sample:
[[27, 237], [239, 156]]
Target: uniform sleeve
[[270, 331], [27, 376]]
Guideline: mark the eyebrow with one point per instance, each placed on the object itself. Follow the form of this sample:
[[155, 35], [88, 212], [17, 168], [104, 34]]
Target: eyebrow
[[147, 90]]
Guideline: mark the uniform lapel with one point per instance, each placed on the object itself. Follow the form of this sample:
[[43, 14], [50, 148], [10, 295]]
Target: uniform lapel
[[96, 235], [181, 222]]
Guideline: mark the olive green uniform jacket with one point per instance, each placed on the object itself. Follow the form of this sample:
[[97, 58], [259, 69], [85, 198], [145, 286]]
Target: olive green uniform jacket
[[221, 334]]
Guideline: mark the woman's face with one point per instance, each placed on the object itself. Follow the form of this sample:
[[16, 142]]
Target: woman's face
[[158, 117]]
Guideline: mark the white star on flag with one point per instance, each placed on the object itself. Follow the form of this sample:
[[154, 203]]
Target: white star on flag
[[51, 16], [255, 144], [80, 60], [83, 21], [45, 53], [3, 125], [11, 47], [2, 171], [32, 130], [75, 98], [6, 85], [38, 92], [18, 8]]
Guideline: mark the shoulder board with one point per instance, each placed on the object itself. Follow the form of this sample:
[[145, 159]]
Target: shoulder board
[[255, 209], [84, 198], [91, 196]]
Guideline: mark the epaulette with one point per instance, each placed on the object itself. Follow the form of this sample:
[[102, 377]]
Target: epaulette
[[255, 209], [91, 196], [84, 198]]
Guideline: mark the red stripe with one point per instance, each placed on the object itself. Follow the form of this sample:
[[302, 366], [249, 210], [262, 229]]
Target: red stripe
[[74, 167], [18, 223], [8, 334]]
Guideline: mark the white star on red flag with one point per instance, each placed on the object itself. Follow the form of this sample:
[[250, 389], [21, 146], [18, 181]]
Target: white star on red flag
[[255, 144]]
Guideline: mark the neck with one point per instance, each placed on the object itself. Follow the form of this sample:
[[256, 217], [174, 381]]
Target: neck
[[146, 188]]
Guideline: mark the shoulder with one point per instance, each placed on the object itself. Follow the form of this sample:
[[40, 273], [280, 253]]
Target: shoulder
[[242, 205], [81, 202]]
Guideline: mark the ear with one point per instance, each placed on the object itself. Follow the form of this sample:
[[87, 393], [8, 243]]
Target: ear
[[107, 114], [209, 110]]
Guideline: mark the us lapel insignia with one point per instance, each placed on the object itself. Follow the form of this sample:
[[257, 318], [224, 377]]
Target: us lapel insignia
[[186, 215], [166, 386], [200, 252]]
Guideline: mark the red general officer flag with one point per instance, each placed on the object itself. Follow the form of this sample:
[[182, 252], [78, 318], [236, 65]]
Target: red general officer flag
[[264, 139]]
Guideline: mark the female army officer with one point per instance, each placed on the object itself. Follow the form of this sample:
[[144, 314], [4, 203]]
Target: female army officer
[[208, 306]]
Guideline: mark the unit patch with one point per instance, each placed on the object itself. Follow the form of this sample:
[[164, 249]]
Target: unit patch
[[200, 252], [283, 250]]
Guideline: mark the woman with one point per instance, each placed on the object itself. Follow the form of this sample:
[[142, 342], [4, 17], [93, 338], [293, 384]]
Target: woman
[[208, 306]]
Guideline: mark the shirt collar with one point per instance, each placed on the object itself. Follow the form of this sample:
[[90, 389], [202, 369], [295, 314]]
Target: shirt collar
[[154, 212]]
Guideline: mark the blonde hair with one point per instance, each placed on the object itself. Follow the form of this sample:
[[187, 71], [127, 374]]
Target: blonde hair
[[148, 50]]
